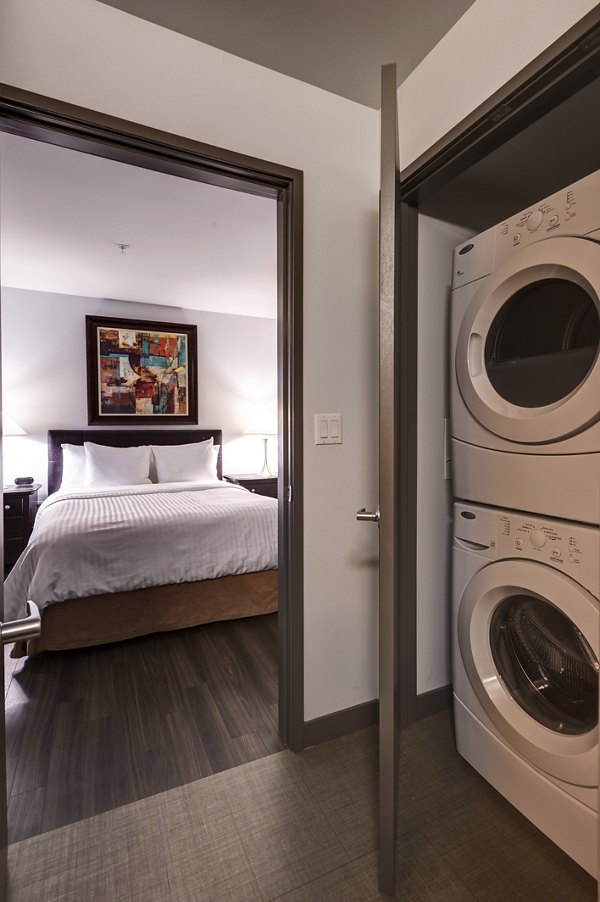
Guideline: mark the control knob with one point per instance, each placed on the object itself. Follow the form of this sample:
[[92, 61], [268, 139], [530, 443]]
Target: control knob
[[537, 538], [534, 220]]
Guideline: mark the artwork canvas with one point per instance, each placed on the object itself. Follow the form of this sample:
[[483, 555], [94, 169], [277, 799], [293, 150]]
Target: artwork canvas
[[140, 372]]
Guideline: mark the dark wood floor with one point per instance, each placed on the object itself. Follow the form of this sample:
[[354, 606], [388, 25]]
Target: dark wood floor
[[90, 730]]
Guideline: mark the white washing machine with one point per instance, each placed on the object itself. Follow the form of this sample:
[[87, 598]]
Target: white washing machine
[[525, 372], [525, 666]]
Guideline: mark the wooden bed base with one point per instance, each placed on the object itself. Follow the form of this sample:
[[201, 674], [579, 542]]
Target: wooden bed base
[[99, 619]]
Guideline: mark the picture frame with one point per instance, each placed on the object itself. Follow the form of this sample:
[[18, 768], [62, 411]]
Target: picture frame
[[141, 372]]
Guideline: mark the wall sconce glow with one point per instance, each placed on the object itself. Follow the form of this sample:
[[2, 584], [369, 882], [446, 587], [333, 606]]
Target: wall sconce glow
[[9, 427]]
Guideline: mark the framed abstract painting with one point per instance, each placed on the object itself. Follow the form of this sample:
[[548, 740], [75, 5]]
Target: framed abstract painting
[[141, 372]]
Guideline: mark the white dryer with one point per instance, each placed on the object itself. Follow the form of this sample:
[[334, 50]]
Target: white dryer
[[525, 371], [525, 666]]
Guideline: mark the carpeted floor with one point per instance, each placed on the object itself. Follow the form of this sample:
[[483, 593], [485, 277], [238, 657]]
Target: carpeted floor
[[303, 828]]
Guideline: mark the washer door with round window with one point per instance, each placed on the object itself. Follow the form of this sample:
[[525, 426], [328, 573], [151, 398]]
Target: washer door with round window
[[528, 638], [527, 360]]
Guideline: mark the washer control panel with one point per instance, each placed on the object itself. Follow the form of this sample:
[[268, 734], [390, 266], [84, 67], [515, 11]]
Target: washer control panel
[[572, 548], [566, 546]]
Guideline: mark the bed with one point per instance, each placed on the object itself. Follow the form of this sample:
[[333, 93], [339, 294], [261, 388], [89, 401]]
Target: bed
[[237, 531]]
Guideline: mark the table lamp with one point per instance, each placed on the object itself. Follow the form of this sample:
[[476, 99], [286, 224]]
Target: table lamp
[[263, 425]]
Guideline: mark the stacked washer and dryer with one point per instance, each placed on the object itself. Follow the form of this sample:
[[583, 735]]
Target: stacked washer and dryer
[[525, 409]]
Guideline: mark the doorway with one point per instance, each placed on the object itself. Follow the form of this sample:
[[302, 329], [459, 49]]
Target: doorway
[[126, 143]]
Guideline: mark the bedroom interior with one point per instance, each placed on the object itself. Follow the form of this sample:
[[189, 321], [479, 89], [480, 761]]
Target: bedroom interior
[[160, 709]]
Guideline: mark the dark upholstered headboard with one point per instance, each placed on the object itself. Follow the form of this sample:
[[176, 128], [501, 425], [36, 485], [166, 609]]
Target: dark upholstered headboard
[[122, 438]]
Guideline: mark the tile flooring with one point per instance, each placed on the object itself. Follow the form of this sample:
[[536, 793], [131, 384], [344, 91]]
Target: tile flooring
[[302, 828]]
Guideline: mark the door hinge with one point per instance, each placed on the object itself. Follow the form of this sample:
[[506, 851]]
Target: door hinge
[[288, 493]]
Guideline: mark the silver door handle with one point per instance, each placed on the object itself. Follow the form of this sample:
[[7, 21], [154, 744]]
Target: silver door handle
[[29, 627], [373, 516]]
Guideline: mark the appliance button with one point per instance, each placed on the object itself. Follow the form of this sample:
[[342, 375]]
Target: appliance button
[[553, 220], [556, 552], [516, 238], [537, 538], [535, 220], [519, 543]]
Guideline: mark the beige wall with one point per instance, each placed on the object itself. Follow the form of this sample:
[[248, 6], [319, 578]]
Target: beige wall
[[89, 54]]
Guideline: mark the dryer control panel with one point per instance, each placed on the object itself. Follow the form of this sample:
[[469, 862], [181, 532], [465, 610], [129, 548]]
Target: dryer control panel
[[575, 210], [572, 211], [497, 534]]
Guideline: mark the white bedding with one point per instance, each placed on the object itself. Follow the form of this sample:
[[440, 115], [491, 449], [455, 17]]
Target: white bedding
[[130, 537]]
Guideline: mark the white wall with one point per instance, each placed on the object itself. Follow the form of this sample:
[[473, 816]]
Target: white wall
[[434, 492], [489, 45], [44, 381], [89, 54]]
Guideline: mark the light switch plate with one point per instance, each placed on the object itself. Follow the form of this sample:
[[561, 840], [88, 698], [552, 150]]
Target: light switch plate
[[328, 429]]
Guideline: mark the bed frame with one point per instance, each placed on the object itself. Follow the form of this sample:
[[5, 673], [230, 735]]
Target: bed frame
[[99, 619]]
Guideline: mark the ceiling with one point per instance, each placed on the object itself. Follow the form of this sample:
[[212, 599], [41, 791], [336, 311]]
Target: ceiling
[[337, 45], [191, 245]]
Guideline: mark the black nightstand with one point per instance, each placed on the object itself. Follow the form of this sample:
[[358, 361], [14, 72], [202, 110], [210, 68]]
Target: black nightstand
[[262, 485], [20, 504]]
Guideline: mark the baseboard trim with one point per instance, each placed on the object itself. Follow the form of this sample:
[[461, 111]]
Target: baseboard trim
[[331, 726], [433, 702]]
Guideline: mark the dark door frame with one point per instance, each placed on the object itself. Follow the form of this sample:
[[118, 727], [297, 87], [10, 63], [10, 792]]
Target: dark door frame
[[55, 122], [568, 65]]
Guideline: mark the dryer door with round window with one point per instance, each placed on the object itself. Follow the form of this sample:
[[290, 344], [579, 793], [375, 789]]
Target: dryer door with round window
[[528, 638], [527, 360]]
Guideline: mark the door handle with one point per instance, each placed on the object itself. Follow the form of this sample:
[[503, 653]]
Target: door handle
[[373, 516], [29, 627]]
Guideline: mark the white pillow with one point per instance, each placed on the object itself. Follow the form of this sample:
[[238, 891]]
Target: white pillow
[[73, 475], [195, 462], [106, 466], [153, 473]]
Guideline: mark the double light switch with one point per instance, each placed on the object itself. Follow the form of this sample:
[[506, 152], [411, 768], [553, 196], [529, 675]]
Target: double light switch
[[328, 429]]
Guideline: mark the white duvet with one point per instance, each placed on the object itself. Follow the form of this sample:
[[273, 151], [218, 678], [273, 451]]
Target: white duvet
[[131, 537]]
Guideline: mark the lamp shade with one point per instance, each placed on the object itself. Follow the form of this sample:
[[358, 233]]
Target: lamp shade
[[9, 427], [262, 423]]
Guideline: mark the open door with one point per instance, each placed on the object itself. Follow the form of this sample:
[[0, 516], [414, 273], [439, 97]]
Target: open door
[[387, 514], [389, 203]]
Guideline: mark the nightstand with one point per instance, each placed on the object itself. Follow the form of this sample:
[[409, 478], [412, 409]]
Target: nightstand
[[262, 485], [20, 504]]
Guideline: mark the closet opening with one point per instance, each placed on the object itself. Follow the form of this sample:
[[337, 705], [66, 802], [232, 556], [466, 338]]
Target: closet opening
[[535, 346]]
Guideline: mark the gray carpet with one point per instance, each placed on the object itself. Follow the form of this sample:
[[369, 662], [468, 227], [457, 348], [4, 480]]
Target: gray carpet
[[302, 828]]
